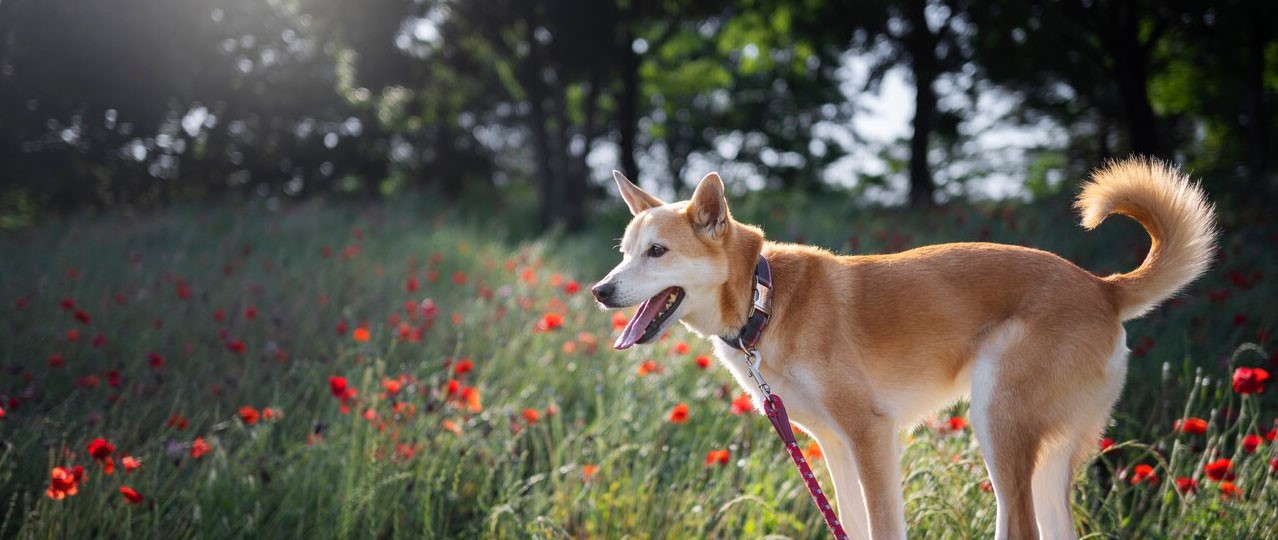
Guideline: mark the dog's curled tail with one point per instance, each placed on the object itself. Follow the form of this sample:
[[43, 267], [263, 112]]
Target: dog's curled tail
[[1175, 213]]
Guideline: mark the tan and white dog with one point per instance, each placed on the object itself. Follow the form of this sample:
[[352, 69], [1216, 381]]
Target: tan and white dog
[[861, 347]]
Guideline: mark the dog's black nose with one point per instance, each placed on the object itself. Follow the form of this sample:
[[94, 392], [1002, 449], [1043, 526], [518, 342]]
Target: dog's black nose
[[603, 292]]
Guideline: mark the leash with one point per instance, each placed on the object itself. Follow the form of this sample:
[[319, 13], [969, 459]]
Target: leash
[[773, 407]]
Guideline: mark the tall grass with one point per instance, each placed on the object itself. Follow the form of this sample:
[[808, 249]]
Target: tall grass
[[569, 439]]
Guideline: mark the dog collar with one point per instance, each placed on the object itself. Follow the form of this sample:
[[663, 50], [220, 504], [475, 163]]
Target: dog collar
[[760, 309]]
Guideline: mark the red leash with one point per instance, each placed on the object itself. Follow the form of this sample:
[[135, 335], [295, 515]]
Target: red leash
[[775, 410]]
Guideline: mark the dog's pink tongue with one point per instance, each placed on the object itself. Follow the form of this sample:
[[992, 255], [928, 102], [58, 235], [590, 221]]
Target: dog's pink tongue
[[634, 329]]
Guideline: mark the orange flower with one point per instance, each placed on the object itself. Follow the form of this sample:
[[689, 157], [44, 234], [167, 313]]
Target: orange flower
[[452, 427], [682, 347], [392, 386], [703, 361], [531, 416], [648, 366], [1230, 490], [587, 471], [470, 395], [813, 453], [249, 415], [720, 457], [131, 495], [619, 320], [130, 463], [679, 414], [199, 448], [360, 334], [742, 404], [956, 423], [1144, 473]]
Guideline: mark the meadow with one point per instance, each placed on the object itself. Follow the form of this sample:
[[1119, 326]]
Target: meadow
[[407, 369]]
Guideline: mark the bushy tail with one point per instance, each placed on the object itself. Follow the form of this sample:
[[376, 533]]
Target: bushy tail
[[1174, 212]]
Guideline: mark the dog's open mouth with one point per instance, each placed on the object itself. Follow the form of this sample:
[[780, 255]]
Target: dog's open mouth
[[651, 319]]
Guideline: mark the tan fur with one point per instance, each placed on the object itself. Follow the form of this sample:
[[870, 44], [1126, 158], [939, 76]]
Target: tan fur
[[863, 346]]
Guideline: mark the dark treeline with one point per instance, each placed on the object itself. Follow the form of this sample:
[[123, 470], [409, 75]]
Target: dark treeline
[[136, 103]]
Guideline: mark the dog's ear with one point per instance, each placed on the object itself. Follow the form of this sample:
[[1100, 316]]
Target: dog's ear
[[637, 199], [709, 209]]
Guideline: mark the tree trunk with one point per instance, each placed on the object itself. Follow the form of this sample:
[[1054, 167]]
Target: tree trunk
[[628, 107], [921, 45]]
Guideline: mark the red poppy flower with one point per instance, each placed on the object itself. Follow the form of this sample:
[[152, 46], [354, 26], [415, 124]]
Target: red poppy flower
[[550, 322], [340, 328], [250, 313], [130, 463], [470, 396], [68, 304], [270, 413], [459, 277], [64, 482], [177, 422], [682, 347], [454, 387], [100, 449], [1248, 380], [742, 404], [428, 310], [1106, 443], [1273, 465], [154, 360], [412, 284], [720, 457], [572, 287], [531, 416], [587, 471], [98, 341], [1144, 473], [1191, 426], [1271, 435], [1221, 469], [392, 386], [131, 495], [73, 335], [361, 334], [619, 320], [199, 448], [463, 367], [249, 415], [183, 290], [1230, 490], [56, 360], [1186, 485], [703, 361], [679, 414], [648, 366], [219, 315], [956, 423], [1, 412], [236, 346], [1251, 442], [83, 316]]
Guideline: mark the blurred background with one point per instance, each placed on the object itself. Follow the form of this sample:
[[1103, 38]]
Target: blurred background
[[124, 105]]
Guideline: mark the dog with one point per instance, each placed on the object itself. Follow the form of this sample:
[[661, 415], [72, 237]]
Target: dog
[[862, 347]]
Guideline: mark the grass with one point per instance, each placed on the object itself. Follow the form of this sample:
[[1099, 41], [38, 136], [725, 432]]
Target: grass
[[559, 436]]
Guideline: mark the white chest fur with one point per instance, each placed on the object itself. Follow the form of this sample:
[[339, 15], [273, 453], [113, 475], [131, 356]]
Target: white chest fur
[[797, 386]]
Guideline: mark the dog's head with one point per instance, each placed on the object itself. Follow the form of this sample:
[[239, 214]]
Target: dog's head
[[676, 259]]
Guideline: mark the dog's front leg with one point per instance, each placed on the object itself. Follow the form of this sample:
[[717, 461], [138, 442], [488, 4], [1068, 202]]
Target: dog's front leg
[[847, 481], [876, 452]]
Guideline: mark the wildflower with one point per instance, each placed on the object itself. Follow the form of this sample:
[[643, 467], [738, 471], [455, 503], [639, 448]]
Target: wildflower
[[98, 341], [956, 423], [720, 457], [1221, 469], [64, 482], [463, 367], [412, 284], [219, 315], [130, 463], [1186, 485], [177, 422], [56, 360], [531, 416], [68, 304], [73, 335], [470, 396], [361, 334], [428, 310], [249, 415], [392, 386], [1251, 442], [703, 361], [588, 471], [1191, 426], [83, 316], [1144, 473], [236, 346], [679, 414], [199, 448], [681, 347], [183, 290], [250, 313], [1273, 465], [1230, 490], [813, 453], [1106, 443], [742, 404], [572, 287], [459, 277], [1, 412], [340, 328], [1249, 380], [131, 495], [619, 320], [154, 360], [550, 322], [648, 366], [100, 449]]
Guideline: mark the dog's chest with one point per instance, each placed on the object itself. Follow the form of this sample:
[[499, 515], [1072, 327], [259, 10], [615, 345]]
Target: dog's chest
[[797, 386]]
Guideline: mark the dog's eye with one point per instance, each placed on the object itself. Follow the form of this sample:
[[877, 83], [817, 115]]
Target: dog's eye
[[657, 250]]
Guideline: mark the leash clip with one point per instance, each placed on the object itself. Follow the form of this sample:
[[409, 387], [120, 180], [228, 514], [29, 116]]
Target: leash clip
[[753, 361]]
